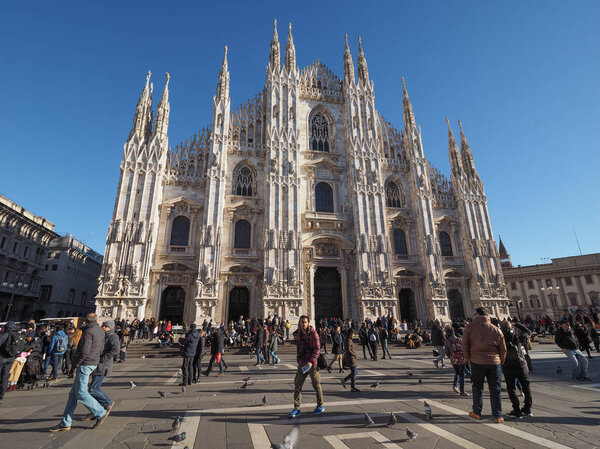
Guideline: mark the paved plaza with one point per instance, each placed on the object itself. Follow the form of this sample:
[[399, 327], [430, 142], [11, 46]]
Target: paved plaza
[[218, 415]]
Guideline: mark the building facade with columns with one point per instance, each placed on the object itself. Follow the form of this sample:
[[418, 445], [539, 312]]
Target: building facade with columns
[[303, 200]]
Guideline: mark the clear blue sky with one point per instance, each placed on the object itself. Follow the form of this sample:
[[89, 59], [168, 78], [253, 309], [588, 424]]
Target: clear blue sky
[[522, 76]]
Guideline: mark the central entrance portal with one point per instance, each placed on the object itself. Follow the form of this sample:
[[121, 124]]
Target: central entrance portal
[[171, 305], [328, 293], [408, 308], [239, 304]]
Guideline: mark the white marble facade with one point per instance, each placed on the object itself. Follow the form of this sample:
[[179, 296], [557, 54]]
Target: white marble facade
[[304, 200]]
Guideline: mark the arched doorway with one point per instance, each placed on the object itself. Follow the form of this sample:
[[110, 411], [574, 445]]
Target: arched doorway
[[457, 311], [171, 305], [239, 304], [328, 293], [408, 307]]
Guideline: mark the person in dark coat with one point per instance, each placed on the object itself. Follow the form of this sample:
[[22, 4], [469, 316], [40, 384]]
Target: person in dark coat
[[104, 368], [383, 339], [336, 349], [87, 358], [373, 337], [350, 361], [437, 341], [190, 345], [515, 368], [259, 342], [198, 357], [217, 345], [584, 339], [6, 359], [364, 340]]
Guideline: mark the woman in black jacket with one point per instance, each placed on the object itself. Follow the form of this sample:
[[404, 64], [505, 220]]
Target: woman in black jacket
[[336, 350], [515, 368]]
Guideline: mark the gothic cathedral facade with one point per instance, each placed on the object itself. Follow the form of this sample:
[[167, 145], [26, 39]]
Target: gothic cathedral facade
[[302, 201]]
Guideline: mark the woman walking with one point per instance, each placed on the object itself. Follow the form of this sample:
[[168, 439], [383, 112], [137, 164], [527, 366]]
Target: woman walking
[[350, 361], [454, 351], [273, 346], [336, 349]]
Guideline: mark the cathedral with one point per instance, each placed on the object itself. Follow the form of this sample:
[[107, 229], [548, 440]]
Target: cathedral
[[304, 200]]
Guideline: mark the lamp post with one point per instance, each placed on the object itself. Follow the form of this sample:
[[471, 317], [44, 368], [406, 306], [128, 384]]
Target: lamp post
[[14, 287], [553, 295]]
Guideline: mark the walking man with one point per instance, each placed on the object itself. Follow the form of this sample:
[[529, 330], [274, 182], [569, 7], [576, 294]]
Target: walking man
[[484, 347], [217, 345], [189, 352], [307, 353], [58, 346], [565, 339], [111, 349], [86, 360]]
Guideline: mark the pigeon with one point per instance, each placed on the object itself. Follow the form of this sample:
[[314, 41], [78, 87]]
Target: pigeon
[[162, 394], [410, 434], [243, 387], [246, 379], [392, 420], [420, 381], [264, 400], [179, 374], [368, 420], [559, 370], [132, 385], [410, 374], [176, 424], [178, 437], [183, 390], [289, 441], [375, 385], [427, 410]]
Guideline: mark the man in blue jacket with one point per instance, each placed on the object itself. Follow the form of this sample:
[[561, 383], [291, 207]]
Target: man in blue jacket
[[58, 346], [190, 345]]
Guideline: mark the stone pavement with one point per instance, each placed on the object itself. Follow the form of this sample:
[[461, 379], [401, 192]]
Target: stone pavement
[[218, 415]]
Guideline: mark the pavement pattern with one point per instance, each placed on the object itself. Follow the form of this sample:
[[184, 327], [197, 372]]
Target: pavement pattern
[[218, 415]]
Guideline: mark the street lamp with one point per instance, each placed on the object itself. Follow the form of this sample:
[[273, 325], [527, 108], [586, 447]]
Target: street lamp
[[553, 295], [14, 287]]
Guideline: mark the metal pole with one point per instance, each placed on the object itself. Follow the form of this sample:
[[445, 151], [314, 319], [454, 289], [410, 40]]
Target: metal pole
[[10, 303]]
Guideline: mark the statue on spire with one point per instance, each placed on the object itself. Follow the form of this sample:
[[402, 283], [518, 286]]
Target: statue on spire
[[348, 64], [274, 55], [363, 71], [455, 160], [290, 52], [409, 115], [223, 84], [466, 154]]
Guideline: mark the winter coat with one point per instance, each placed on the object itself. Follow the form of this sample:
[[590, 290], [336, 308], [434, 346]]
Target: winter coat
[[217, 342], [111, 349], [483, 343], [200, 347], [54, 342], [90, 346], [566, 339], [273, 342], [448, 347], [10, 328], [583, 338], [337, 343], [307, 346], [260, 337], [515, 361], [362, 336], [437, 336], [383, 335], [191, 343], [350, 354]]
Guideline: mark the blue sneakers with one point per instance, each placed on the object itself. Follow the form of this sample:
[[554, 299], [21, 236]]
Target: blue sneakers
[[318, 410], [294, 413]]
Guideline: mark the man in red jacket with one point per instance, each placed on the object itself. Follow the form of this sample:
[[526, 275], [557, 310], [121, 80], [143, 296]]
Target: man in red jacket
[[307, 353]]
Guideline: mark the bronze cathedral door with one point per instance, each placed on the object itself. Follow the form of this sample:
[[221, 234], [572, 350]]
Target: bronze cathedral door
[[328, 293]]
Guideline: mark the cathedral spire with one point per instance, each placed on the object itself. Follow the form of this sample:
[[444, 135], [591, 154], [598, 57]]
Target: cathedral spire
[[455, 161], [348, 64], [223, 84], [409, 115], [274, 55], [161, 123], [363, 71], [505, 261], [290, 52], [142, 119], [466, 154]]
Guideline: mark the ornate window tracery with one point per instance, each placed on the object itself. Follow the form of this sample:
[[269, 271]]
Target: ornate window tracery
[[394, 196], [243, 181], [319, 133], [445, 244]]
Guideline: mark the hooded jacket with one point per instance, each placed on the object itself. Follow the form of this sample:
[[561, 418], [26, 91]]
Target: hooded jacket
[[111, 349], [483, 343], [191, 343], [9, 328]]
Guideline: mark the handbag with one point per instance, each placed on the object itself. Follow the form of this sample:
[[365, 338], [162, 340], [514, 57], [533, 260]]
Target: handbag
[[322, 362]]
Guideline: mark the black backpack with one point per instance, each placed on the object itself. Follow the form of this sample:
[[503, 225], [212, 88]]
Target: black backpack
[[14, 345]]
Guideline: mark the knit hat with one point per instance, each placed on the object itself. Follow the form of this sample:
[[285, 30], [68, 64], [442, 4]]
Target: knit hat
[[110, 324], [193, 326]]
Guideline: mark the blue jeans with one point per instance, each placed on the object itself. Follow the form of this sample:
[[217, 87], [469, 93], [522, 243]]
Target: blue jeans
[[352, 376], [274, 357], [259, 357], [97, 393], [79, 393], [579, 363], [56, 362], [493, 373], [459, 377], [442, 352]]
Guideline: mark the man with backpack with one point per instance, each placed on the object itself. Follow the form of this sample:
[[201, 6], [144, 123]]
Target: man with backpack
[[58, 346], [11, 344]]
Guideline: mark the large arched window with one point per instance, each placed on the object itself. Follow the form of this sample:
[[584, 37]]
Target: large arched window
[[242, 234], [400, 242], [243, 181], [180, 231], [445, 244], [319, 133], [323, 197], [394, 197]]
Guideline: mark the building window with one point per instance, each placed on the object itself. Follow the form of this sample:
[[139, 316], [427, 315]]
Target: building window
[[572, 299], [319, 133], [400, 242], [393, 195], [2, 242], [243, 181], [45, 293], [83, 298], [180, 231], [513, 285], [15, 247], [530, 284], [71, 297], [568, 281], [446, 244], [242, 234], [548, 282], [25, 251], [589, 279], [54, 267], [323, 197]]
